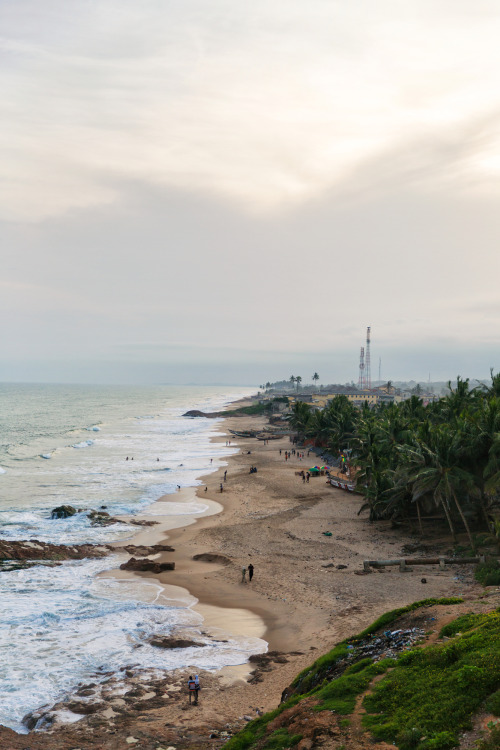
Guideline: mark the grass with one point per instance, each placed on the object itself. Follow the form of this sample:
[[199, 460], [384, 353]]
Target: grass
[[434, 691], [334, 680]]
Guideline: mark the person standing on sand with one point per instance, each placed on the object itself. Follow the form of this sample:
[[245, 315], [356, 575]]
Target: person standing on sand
[[243, 574], [225, 475], [221, 487], [197, 687], [192, 690], [250, 572]]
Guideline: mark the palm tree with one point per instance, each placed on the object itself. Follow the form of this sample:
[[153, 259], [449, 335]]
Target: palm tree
[[292, 379], [441, 476], [315, 377], [298, 380]]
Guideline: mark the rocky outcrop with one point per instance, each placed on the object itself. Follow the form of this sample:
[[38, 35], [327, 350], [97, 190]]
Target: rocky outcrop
[[63, 511], [101, 518], [36, 550], [208, 415], [168, 642], [144, 565]]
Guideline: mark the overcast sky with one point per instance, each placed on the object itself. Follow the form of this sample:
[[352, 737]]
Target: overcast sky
[[225, 191]]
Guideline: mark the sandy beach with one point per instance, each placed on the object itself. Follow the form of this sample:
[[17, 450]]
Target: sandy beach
[[308, 589]]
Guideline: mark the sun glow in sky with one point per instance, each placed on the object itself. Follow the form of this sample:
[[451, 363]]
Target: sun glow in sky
[[229, 191]]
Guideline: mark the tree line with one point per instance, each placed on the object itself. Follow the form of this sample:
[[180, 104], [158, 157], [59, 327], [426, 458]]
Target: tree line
[[415, 461]]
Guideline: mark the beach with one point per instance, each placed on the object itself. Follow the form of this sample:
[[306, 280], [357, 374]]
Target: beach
[[307, 544]]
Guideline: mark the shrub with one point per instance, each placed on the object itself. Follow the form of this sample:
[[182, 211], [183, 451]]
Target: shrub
[[493, 704], [488, 573]]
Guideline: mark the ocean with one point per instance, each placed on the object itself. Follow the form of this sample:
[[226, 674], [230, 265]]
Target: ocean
[[68, 444]]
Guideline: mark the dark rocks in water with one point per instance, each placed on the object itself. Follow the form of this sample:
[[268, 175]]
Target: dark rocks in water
[[168, 642], [101, 518], [207, 415], [63, 511], [212, 557], [143, 523], [143, 551], [36, 550], [147, 565]]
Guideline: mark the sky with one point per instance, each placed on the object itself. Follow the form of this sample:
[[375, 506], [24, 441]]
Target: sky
[[231, 192]]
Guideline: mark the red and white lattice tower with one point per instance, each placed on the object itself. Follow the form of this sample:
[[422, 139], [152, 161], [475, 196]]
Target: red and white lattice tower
[[368, 376], [361, 382]]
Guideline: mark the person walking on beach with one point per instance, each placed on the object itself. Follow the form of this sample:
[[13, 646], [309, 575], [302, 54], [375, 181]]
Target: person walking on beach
[[250, 572], [243, 574], [192, 690], [225, 475], [197, 687], [221, 487], [307, 477]]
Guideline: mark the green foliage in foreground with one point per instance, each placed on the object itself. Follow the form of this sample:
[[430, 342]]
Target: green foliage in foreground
[[488, 573], [338, 694], [434, 691]]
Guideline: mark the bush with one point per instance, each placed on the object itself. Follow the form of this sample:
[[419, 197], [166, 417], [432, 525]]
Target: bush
[[488, 573], [493, 704]]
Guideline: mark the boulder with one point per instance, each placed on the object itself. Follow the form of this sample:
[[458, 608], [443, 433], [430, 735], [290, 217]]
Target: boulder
[[63, 511], [147, 565], [168, 642], [101, 518]]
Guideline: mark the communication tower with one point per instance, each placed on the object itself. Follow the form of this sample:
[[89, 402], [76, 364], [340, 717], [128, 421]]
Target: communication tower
[[361, 382], [368, 376]]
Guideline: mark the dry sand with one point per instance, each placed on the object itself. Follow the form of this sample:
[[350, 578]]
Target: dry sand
[[299, 601], [275, 521]]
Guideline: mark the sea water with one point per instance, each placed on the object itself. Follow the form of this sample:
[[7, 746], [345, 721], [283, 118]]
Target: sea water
[[69, 445]]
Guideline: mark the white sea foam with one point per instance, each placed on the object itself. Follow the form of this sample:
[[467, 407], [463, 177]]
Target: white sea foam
[[59, 624], [84, 444], [82, 625]]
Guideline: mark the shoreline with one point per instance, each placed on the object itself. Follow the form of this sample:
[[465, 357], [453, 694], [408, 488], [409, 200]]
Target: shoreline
[[307, 544]]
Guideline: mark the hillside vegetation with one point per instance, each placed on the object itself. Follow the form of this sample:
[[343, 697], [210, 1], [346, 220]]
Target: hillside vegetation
[[415, 696]]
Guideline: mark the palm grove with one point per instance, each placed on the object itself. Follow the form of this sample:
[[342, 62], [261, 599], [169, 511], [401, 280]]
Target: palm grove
[[416, 461]]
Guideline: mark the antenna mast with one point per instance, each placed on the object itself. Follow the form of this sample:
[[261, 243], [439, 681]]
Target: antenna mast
[[368, 377], [361, 382]]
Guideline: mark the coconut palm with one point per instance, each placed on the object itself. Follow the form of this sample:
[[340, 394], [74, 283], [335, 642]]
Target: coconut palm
[[298, 380], [438, 473], [315, 377]]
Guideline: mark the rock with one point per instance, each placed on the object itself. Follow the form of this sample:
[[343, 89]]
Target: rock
[[147, 565], [328, 565], [101, 518], [63, 511], [36, 550], [168, 642], [341, 567], [78, 707]]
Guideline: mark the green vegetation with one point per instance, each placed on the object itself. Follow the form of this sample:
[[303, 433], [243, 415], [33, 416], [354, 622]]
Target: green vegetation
[[417, 461], [434, 691], [335, 680], [488, 573]]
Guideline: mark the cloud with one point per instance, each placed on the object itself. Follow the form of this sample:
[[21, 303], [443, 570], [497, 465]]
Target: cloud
[[267, 104]]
